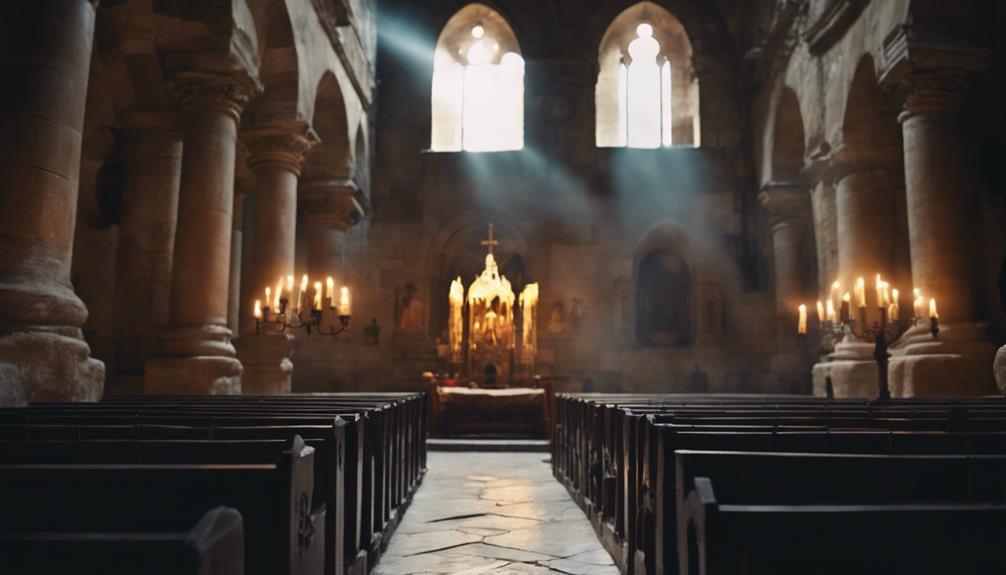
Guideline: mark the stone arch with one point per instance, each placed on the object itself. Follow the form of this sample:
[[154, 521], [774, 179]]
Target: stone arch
[[870, 117], [332, 157], [281, 52], [675, 48], [788, 140], [361, 159]]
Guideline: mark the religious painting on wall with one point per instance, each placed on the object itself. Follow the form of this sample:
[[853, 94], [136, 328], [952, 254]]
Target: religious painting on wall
[[664, 301], [410, 312]]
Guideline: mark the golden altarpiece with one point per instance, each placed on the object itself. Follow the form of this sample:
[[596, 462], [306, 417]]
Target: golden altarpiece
[[491, 326]]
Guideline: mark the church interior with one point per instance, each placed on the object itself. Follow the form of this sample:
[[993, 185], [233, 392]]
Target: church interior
[[449, 286]]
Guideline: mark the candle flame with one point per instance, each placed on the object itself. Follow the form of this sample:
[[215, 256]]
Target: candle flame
[[258, 309]]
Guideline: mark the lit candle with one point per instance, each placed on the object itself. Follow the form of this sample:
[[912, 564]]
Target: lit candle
[[932, 309], [894, 310], [820, 312], [317, 295], [860, 292], [258, 309], [846, 304], [801, 325], [830, 310], [279, 294], [330, 289], [880, 291], [344, 304], [268, 296]]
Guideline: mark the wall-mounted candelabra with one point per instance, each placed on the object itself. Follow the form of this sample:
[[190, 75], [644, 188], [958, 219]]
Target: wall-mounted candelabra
[[313, 308], [883, 333]]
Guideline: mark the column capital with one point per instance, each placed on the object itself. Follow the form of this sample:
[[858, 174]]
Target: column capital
[[928, 71], [786, 202], [331, 201], [847, 159], [279, 145], [229, 93]]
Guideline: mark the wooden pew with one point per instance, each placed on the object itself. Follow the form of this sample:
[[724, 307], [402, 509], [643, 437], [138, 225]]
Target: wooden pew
[[214, 546], [828, 513], [282, 534], [390, 457]]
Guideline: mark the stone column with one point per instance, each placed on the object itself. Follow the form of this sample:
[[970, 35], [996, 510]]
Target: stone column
[[275, 155], [822, 201], [237, 249], [942, 224], [152, 161], [787, 204], [195, 354], [865, 213], [45, 60]]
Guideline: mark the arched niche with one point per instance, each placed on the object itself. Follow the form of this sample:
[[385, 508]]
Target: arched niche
[[788, 139], [332, 158], [871, 114], [664, 300], [477, 99], [632, 95]]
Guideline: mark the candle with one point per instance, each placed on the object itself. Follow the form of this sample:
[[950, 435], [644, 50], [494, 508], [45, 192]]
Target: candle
[[887, 293], [330, 289], [830, 311], [317, 295], [820, 312], [892, 311], [344, 304], [846, 304], [919, 304], [880, 291], [801, 325], [860, 292], [268, 296], [258, 309], [279, 294], [932, 309]]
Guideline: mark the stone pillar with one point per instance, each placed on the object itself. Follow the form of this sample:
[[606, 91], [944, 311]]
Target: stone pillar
[[822, 201], [152, 161], [237, 249], [942, 201], [195, 354], [865, 214], [787, 204], [45, 60], [275, 155]]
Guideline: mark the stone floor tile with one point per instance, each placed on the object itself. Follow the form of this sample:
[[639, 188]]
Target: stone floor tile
[[510, 517]]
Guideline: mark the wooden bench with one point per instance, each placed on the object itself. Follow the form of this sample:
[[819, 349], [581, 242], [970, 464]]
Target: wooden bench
[[282, 533], [214, 546], [800, 513]]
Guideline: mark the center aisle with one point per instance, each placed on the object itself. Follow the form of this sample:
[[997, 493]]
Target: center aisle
[[494, 513]]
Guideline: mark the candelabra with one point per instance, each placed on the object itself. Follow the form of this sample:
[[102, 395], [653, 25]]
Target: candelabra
[[882, 334], [310, 317]]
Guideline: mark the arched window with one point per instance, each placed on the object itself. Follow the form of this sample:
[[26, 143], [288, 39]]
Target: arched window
[[478, 84], [646, 94]]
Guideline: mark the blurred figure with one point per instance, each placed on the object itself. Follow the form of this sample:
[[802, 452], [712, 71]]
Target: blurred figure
[[698, 381]]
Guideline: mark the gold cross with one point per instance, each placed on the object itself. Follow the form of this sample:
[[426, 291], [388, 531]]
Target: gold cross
[[490, 242]]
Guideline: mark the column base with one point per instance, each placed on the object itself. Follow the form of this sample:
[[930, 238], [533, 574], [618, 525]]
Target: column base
[[849, 378], [1000, 369], [193, 375], [954, 364], [267, 366], [38, 366], [194, 360]]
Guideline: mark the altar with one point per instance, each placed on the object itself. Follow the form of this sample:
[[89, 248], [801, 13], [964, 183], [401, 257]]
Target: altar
[[488, 386]]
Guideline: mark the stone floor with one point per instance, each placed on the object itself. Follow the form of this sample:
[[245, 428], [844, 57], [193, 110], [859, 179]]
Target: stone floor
[[500, 513]]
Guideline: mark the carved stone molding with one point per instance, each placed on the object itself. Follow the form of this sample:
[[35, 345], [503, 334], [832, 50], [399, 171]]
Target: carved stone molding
[[925, 92], [331, 201], [832, 24], [282, 146], [831, 165], [229, 93], [786, 202]]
